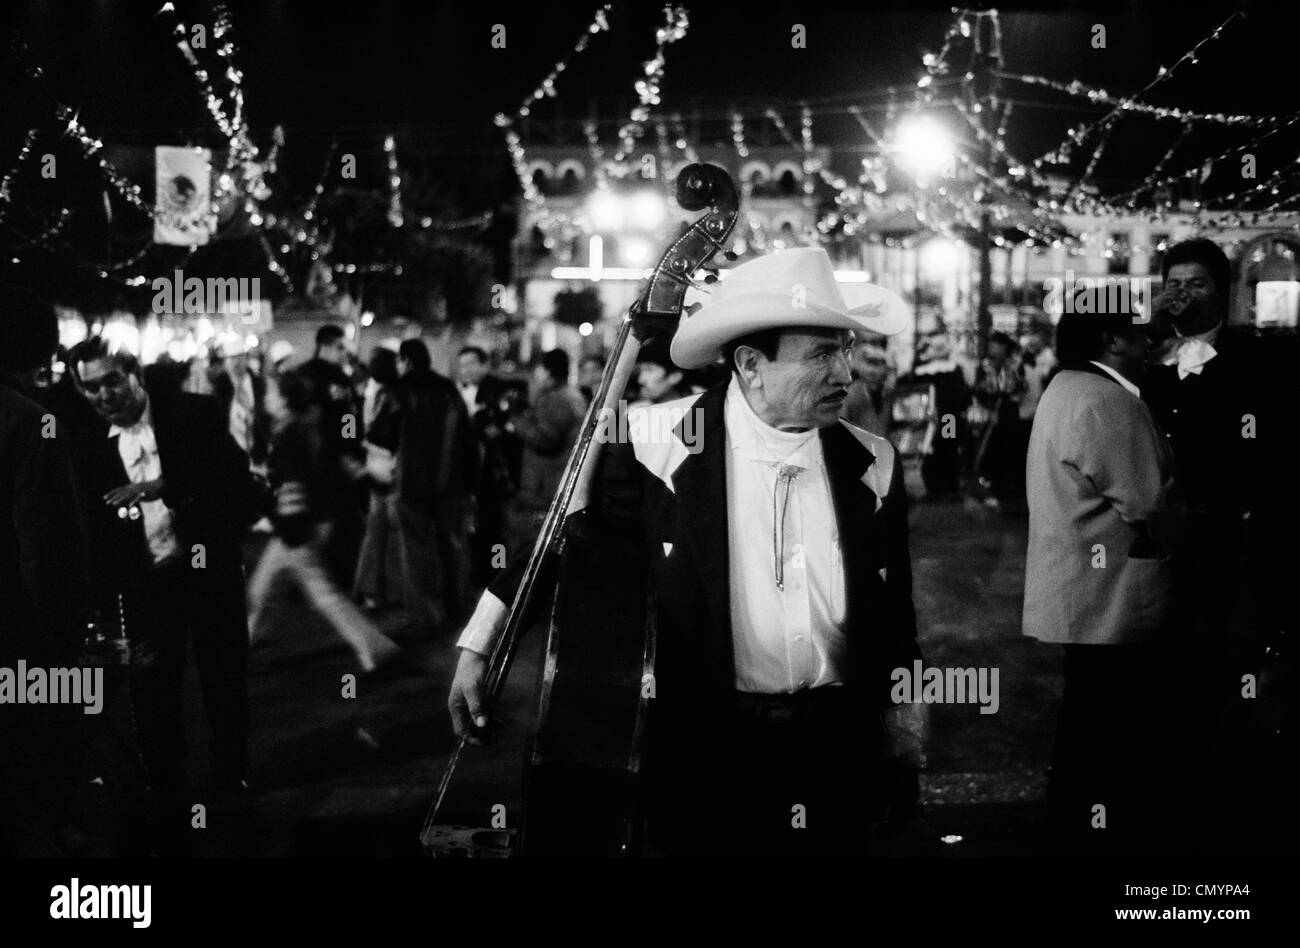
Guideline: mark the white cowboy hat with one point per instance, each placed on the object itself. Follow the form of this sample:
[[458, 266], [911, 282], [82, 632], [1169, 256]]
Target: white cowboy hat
[[785, 289]]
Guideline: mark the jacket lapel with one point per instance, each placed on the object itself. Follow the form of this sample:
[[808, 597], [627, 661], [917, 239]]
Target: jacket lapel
[[847, 465], [700, 486]]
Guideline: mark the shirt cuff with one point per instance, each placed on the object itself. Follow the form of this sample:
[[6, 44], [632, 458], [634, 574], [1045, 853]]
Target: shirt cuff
[[484, 625]]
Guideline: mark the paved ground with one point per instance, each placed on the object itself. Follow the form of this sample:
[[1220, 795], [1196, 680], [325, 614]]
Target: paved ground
[[339, 775]]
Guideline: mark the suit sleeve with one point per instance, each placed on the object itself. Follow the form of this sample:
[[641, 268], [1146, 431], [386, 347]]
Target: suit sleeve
[[1120, 454], [212, 476]]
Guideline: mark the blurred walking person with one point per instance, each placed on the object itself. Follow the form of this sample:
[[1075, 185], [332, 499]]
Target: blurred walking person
[[375, 585], [304, 483]]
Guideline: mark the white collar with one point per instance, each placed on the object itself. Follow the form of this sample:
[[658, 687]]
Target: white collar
[[144, 421], [759, 440], [1136, 392]]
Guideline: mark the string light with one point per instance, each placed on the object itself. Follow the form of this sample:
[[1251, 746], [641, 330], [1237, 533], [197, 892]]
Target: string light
[[23, 152], [533, 199], [1133, 105], [676, 23], [1107, 121], [738, 133], [90, 147], [395, 217]]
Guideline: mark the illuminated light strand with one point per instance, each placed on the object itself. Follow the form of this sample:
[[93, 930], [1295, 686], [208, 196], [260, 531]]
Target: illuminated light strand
[[546, 88], [738, 133], [534, 200], [395, 216], [464, 223], [590, 132], [273, 264], [46, 236], [1131, 104], [1080, 134], [682, 143], [90, 147], [1199, 169], [28, 140], [1160, 166], [308, 235], [665, 149], [676, 23]]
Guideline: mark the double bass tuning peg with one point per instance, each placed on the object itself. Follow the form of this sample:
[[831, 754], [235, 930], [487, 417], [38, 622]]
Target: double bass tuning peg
[[730, 255]]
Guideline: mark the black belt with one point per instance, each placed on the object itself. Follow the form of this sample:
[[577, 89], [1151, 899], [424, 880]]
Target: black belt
[[798, 707]]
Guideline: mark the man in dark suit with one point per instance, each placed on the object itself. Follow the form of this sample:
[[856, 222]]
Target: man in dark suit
[[168, 494], [436, 472], [773, 537], [44, 580], [242, 396], [1222, 396]]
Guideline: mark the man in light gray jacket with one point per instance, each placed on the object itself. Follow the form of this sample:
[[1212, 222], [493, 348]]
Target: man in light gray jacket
[[1098, 580]]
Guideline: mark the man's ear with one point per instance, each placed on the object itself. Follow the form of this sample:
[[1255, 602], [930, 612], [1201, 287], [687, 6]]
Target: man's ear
[[746, 358]]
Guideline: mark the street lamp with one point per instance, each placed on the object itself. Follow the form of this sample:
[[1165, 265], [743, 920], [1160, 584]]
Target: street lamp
[[925, 149]]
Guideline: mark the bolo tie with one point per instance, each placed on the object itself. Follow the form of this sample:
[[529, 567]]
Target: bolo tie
[[785, 473]]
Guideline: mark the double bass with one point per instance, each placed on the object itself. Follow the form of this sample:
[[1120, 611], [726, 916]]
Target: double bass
[[584, 755]]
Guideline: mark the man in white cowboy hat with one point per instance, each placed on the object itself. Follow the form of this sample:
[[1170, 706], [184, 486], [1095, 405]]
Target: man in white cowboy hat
[[775, 539]]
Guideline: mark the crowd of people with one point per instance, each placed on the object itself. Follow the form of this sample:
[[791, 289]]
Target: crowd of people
[[153, 508], [193, 501]]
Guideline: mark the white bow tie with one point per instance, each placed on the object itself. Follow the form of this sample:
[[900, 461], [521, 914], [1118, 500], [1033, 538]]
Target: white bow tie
[[139, 438], [1190, 355]]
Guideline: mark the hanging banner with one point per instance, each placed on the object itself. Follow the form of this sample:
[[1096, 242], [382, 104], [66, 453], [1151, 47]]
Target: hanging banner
[[183, 212]]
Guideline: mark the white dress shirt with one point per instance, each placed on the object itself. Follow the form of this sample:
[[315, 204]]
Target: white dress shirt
[[789, 637], [469, 393], [242, 406], [786, 636], [138, 449], [1137, 392]]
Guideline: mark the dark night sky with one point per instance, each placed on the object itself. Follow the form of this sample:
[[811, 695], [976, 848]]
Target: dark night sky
[[426, 71], [365, 67]]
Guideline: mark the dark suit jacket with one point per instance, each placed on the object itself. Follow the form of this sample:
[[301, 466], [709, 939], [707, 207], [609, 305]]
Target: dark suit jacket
[[44, 573], [428, 427], [667, 508], [223, 389], [208, 487]]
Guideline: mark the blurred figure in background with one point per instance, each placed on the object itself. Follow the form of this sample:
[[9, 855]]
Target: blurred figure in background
[[279, 357], [658, 379], [482, 393], [548, 431], [45, 590], [999, 390], [436, 472], [304, 484], [590, 370], [946, 400], [1039, 363], [870, 400], [242, 396], [376, 585], [341, 423]]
